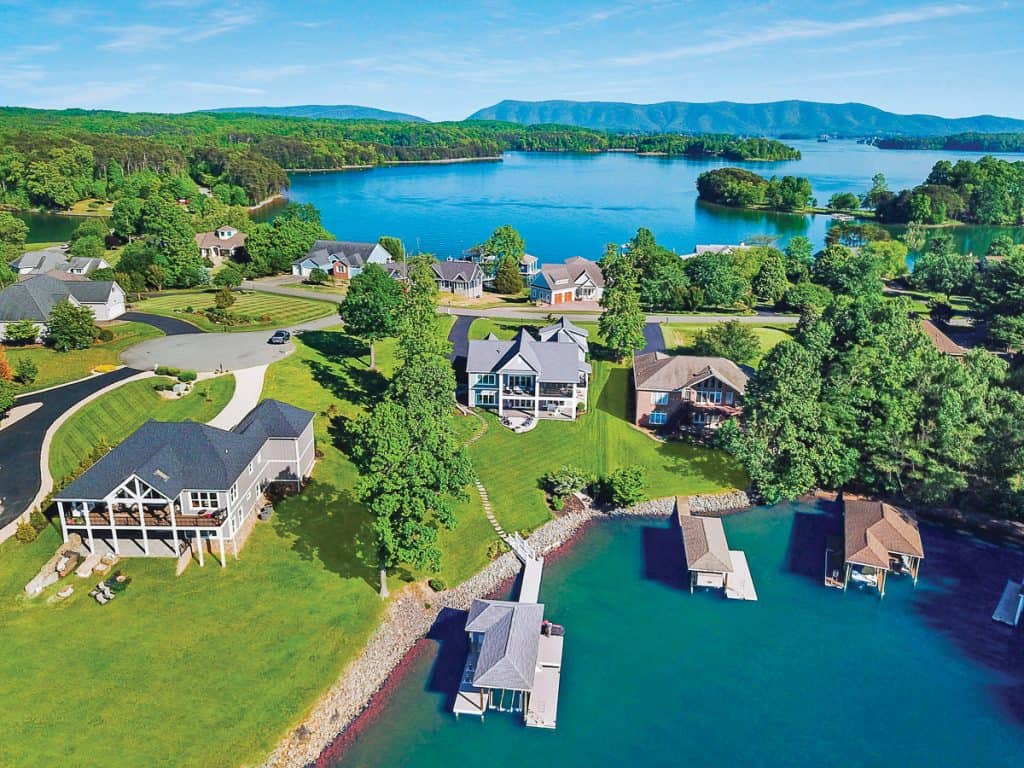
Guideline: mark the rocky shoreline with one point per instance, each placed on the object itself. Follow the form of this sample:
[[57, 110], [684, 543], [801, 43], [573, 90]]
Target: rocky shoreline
[[412, 613]]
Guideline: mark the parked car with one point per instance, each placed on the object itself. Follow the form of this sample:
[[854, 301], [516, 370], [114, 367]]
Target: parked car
[[280, 337]]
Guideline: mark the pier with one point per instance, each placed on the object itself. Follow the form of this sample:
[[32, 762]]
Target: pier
[[1011, 604], [514, 662]]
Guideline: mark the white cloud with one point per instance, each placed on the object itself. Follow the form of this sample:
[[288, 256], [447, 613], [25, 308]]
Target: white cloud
[[797, 29], [219, 22], [136, 38]]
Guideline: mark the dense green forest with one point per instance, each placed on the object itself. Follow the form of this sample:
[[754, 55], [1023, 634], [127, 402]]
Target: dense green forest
[[963, 142], [741, 188], [54, 158]]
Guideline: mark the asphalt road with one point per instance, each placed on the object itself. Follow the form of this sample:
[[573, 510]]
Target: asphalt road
[[22, 442], [169, 325]]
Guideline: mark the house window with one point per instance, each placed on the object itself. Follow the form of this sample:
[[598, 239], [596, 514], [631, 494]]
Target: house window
[[251, 465], [728, 397], [657, 418], [700, 418], [517, 383], [233, 493], [487, 379], [659, 398], [486, 398], [203, 499]]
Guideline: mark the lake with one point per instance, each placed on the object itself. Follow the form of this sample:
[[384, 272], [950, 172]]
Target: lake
[[806, 677], [567, 204]]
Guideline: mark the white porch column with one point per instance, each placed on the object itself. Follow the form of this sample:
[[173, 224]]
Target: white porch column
[[174, 528], [234, 544], [536, 397], [113, 528], [142, 522], [63, 524], [199, 548], [574, 401], [223, 559], [501, 398], [88, 525]]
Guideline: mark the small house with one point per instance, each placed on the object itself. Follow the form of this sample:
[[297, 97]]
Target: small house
[[222, 243], [578, 279], [340, 259], [34, 297]]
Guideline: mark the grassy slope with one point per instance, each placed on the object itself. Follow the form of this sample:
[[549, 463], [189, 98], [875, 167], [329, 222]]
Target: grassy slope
[[601, 441], [679, 336], [283, 310], [117, 414], [60, 367]]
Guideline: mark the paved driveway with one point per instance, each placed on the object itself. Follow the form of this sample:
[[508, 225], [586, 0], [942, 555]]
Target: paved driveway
[[171, 326], [653, 337], [22, 442]]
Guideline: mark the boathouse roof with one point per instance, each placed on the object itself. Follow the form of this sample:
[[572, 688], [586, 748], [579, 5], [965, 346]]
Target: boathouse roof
[[511, 642], [872, 529], [704, 544]]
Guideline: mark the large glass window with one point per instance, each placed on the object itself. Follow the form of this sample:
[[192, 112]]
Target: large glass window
[[659, 398], [486, 398], [203, 499], [487, 379], [657, 418]]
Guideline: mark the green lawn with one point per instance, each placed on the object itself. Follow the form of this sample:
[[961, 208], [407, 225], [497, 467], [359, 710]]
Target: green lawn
[[679, 336], [281, 310], [60, 367], [602, 440], [962, 305], [115, 415], [339, 289]]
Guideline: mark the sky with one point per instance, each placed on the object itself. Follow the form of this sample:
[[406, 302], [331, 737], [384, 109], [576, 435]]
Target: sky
[[444, 59]]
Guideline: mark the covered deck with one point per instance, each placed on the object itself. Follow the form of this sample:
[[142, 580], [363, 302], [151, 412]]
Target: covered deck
[[878, 539]]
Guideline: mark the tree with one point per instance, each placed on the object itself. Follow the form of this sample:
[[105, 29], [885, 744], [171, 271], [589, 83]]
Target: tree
[[805, 295], [273, 247], [71, 326], [879, 192], [914, 237], [770, 281], [25, 371], [622, 322], [7, 275], [6, 372], [88, 247], [844, 201], [625, 486], [8, 393], [564, 482], [731, 339], [370, 310], [229, 276], [504, 243], [317, 277], [156, 276], [890, 255], [126, 218], [714, 274], [224, 299], [169, 230], [942, 268], [799, 258], [394, 246], [21, 332], [13, 232], [131, 282], [508, 279], [844, 270]]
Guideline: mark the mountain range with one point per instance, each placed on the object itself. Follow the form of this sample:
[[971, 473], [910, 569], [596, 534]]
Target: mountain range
[[327, 112], [783, 119]]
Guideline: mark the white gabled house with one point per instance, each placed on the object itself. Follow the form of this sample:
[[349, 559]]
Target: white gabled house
[[578, 279], [341, 259], [34, 297]]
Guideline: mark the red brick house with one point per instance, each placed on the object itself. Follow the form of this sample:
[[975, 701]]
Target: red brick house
[[686, 391]]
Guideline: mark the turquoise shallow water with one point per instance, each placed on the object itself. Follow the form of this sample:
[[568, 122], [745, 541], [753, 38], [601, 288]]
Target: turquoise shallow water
[[807, 676]]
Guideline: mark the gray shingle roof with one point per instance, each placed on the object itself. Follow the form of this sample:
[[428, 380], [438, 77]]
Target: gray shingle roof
[[564, 331], [43, 260], [577, 265], [704, 545], [663, 372], [551, 361], [272, 418], [172, 457], [466, 271], [553, 276], [351, 253], [34, 297], [508, 654]]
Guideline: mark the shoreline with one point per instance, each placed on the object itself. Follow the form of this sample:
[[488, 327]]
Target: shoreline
[[371, 166], [268, 201], [358, 694]]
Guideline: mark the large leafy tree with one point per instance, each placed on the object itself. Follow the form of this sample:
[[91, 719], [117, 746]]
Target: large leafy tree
[[622, 322], [13, 232], [370, 310], [504, 243], [770, 281], [169, 231], [731, 339], [999, 296], [942, 268], [844, 270], [716, 276], [71, 326], [273, 247]]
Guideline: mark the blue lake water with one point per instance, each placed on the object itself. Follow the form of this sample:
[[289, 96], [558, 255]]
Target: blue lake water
[[569, 205], [806, 677]]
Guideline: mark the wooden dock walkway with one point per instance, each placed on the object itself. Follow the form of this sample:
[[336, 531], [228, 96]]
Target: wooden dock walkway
[[533, 569], [1011, 604]]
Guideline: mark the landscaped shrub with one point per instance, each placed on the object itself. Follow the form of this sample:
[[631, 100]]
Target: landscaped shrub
[[25, 533], [265, 318], [317, 277], [38, 520], [565, 481], [625, 487], [186, 376], [105, 334], [163, 387], [6, 371], [25, 371], [496, 548], [437, 585], [165, 370], [21, 332]]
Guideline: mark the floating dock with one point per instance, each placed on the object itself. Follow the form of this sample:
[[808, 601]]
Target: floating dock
[[740, 585], [1011, 604]]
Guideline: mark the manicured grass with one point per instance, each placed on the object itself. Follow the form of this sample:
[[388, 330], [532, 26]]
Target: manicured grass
[[482, 327], [115, 415], [679, 336], [338, 289], [281, 310], [61, 367], [962, 305], [489, 300], [511, 465]]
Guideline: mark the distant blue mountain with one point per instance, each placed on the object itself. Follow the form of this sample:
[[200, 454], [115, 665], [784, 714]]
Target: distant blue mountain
[[327, 112], [791, 119]]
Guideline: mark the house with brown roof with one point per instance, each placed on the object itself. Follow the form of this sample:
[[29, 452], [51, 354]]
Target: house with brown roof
[[942, 342], [690, 392], [578, 279], [462, 278], [223, 243], [878, 539]]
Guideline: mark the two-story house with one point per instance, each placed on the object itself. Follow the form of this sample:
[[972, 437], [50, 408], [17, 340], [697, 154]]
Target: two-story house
[[171, 486], [340, 259], [578, 279], [224, 242], [686, 391], [542, 379]]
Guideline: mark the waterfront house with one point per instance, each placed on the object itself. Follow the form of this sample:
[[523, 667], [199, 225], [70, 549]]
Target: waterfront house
[[700, 250], [55, 262], [529, 266], [878, 539], [578, 279], [174, 486], [527, 378], [942, 342], [222, 243], [462, 278], [565, 331], [340, 259], [34, 297], [690, 392]]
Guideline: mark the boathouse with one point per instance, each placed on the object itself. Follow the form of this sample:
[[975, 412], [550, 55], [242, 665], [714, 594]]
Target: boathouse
[[878, 539], [709, 561]]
